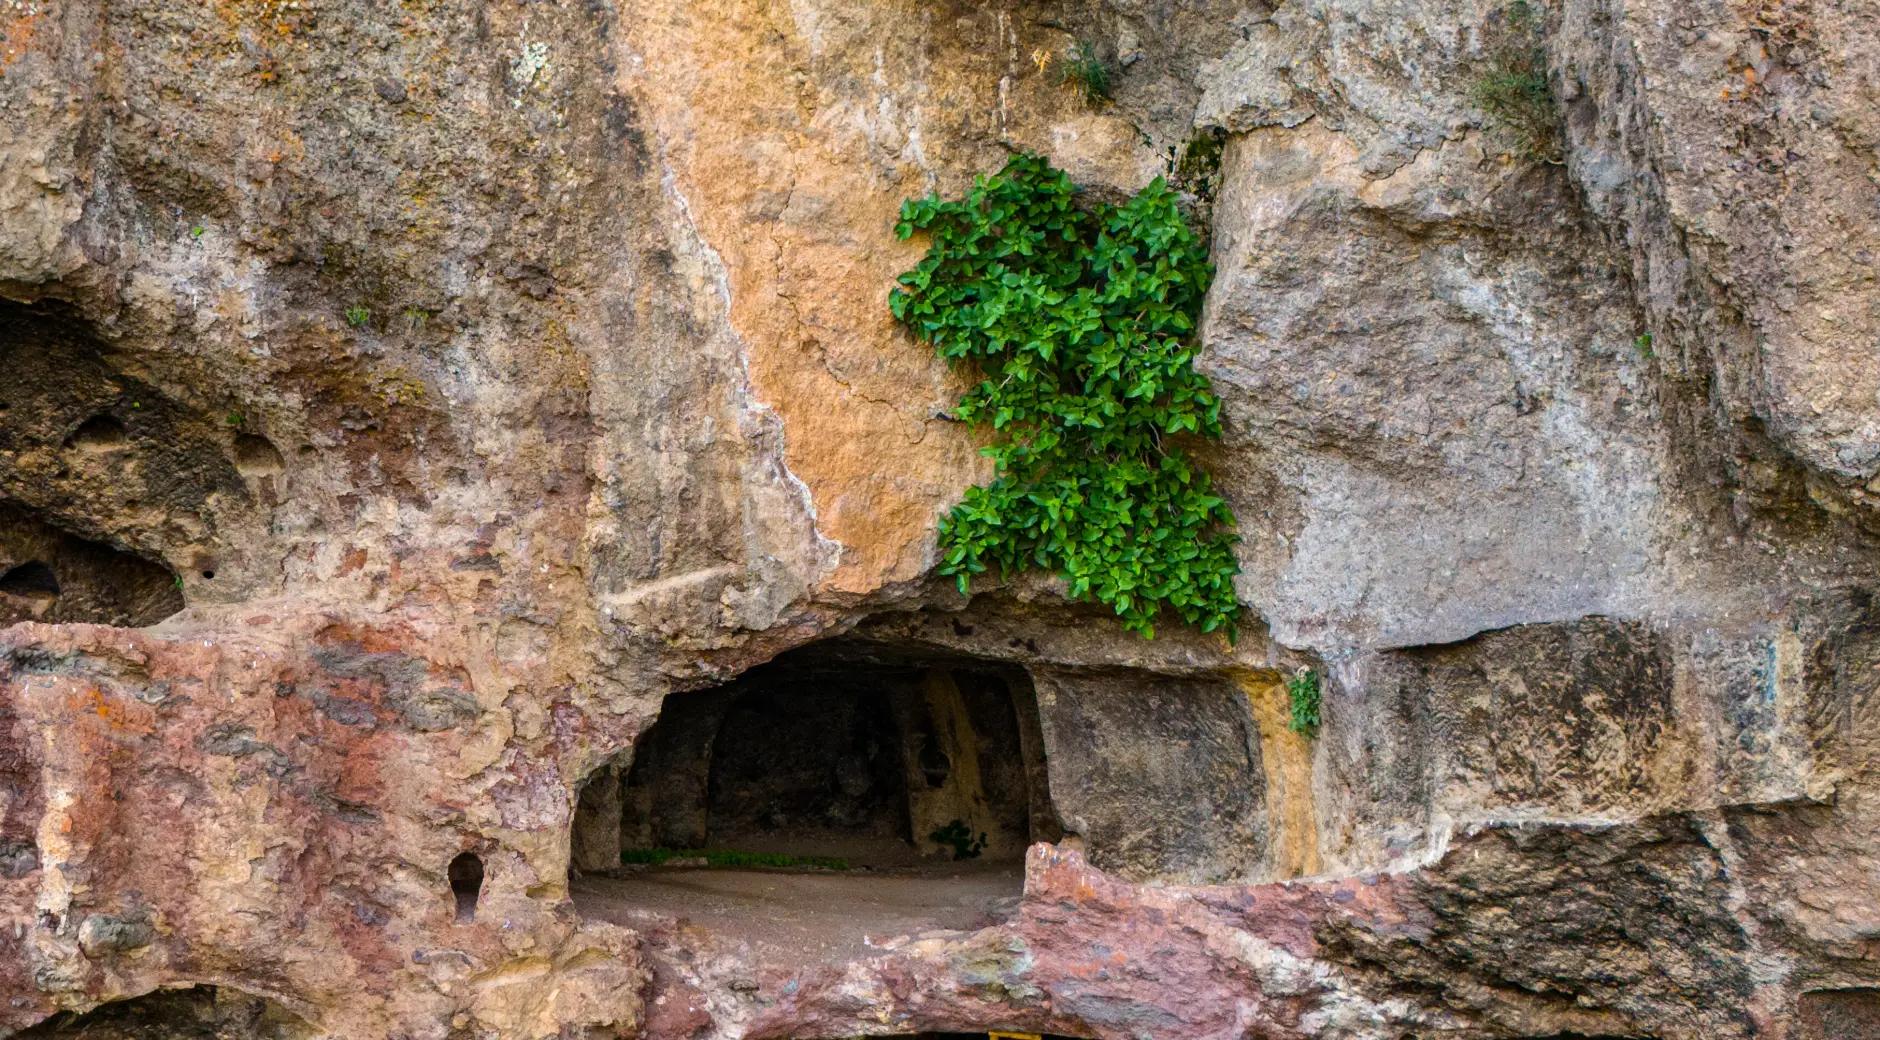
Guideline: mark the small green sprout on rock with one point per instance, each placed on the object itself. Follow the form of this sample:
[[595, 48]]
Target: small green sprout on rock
[[1302, 691], [1079, 323], [357, 316], [1643, 344], [960, 837], [1196, 167], [1088, 74]]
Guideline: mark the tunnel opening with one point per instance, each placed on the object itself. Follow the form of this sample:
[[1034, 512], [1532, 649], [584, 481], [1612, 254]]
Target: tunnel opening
[[844, 790], [32, 581]]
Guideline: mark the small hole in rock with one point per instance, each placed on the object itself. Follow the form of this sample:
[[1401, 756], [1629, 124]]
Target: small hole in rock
[[466, 883], [98, 433], [256, 456], [209, 574]]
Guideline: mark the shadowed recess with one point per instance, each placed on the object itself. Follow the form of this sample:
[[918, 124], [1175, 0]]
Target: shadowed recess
[[47, 574], [99, 433], [843, 793], [841, 751], [197, 1013], [466, 883], [256, 456], [99, 446]]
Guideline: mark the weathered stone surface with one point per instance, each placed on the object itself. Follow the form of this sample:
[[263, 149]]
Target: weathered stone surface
[[51, 575], [1730, 148], [446, 385], [1437, 368], [183, 775], [1161, 778], [1850, 1013]]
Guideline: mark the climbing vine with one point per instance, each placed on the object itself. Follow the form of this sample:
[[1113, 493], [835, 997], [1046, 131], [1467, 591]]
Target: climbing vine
[[1080, 323]]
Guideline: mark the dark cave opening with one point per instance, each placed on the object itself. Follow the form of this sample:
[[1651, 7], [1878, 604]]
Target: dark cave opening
[[99, 433], [839, 750], [195, 1013], [31, 580], [793, 769], [846, 788], [48, 574]]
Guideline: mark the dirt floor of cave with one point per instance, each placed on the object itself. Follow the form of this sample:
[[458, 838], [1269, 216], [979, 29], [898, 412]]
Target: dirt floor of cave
[[805, 916]]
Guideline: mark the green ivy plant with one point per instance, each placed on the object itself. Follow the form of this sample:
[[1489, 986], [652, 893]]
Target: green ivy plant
[[1080, 322], [1304, 697]]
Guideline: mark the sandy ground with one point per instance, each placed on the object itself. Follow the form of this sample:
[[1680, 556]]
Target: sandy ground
[[805, 916]]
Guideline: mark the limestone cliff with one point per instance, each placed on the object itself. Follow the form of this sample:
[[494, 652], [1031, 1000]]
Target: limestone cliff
[[406, 407]]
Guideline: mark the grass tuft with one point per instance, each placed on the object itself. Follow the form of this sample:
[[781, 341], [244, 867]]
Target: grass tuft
[[1088, 74], [1513, 92]]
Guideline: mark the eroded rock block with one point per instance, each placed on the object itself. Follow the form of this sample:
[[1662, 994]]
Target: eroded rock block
[[1160, 776], [1565, 718]]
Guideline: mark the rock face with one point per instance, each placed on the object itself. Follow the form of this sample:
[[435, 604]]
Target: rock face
[[400, 402]]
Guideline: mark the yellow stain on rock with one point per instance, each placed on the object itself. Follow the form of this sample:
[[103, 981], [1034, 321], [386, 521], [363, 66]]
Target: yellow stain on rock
[[1286, 756]]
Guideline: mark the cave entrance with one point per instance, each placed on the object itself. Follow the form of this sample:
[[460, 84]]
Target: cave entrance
[[196, 1013], [48, 574], [844, 789]]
